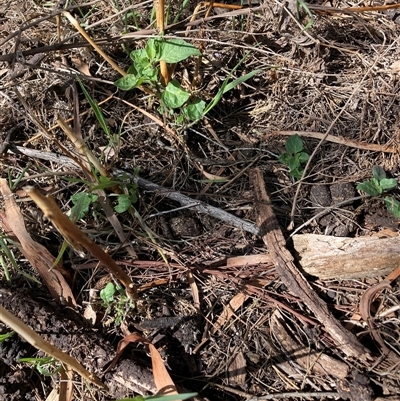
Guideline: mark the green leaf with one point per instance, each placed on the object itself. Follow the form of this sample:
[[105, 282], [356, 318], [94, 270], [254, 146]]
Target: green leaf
[[194, 110], [174, 96], [133, 194], [4, 336], [175, 50], [227, 86], [378, 172], [143, 67], [296, 173], [369, 188], [240, 80], [104, 182], [294, 144], [388, 183], [44, 368], [285, 158], [152, 49], [393, 206], [81, 201], [107, 293], [127, 82], [294, 162], [124, 202], [96, 109], [303, 157]]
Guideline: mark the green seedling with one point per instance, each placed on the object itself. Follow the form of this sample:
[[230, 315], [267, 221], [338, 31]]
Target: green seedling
[[294, 156], [379, 184], [46, 366], [5, 336], [116, 302], [170, 397], [300, 4], [145, 71]]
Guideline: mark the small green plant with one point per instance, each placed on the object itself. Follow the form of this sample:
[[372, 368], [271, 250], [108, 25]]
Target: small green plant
[[47, 366], [145, 70], [116, 301], [294, 156], [377, 185], [171, 397], [5, 336], [301, 5]]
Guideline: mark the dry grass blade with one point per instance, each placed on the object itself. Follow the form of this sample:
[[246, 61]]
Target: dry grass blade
[[39, 257], [74, 236]]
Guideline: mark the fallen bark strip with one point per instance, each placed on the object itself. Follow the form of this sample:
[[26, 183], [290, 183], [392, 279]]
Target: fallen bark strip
[[339, 258], [291, 276]]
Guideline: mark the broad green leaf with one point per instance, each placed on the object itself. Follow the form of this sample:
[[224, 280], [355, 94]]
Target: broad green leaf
[[175, 50], [294, 162], [143, 67], [387, 183], [369, 188], [393, 206], [174, 96], [127, 82], [81, 201], [296, 173], [285, 158], [194, 110], [124, 202], [107, 293], [152, 49], [303, 157], [294, 144], [133, 194], [378, 172]]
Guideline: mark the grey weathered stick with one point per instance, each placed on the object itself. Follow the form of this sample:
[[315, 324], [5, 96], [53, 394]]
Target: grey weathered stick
[[292, 277], [199, 206]]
